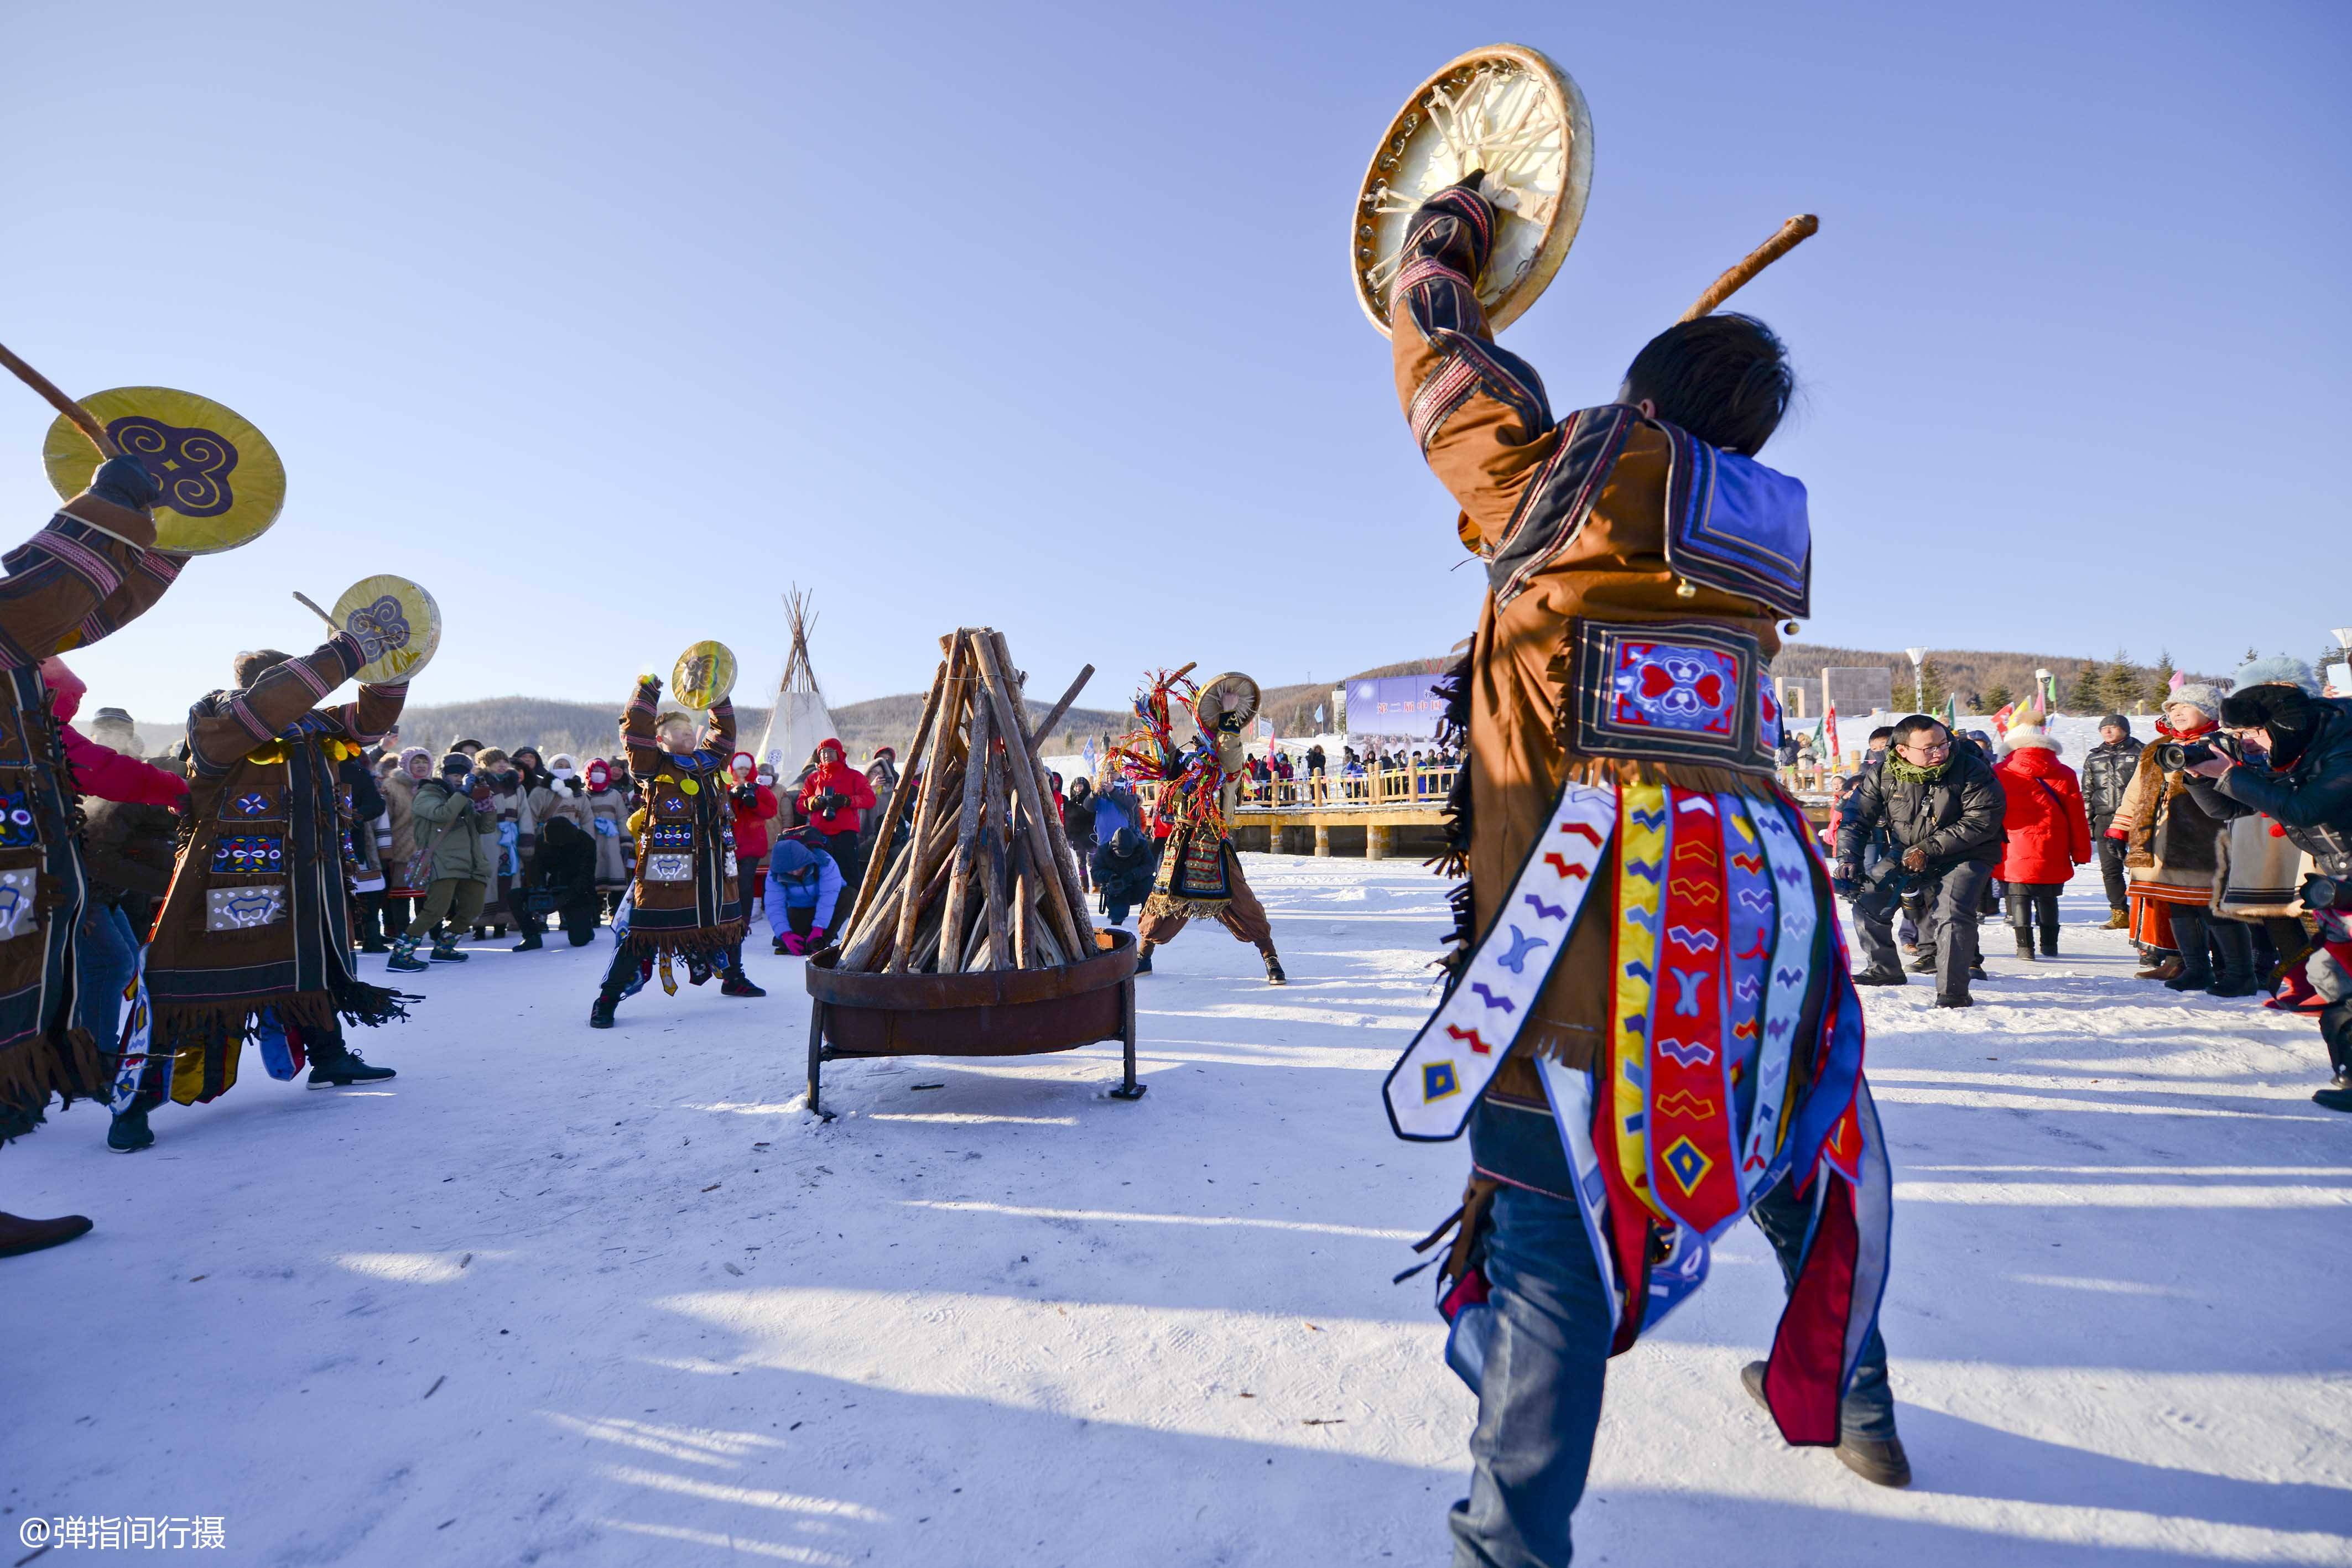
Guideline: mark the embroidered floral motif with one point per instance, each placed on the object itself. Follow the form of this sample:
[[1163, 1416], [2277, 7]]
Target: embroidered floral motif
[[1678, 687], [1678, 691], [17, 828], [242, 852]]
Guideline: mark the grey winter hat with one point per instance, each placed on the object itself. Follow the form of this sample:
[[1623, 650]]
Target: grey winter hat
[[2118, 721], [2197, 694], [112, 715], [2280, 670]]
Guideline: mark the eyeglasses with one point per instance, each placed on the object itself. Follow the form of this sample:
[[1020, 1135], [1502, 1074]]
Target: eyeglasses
[[1939, 749]]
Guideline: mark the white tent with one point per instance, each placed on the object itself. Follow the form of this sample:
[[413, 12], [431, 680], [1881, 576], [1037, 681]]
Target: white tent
[[800, 721]]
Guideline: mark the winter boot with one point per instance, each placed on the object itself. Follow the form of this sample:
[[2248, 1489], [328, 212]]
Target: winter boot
[[2295, 992], [735, 985], [1273, 975], [2163, 969], [130, 1133], [531, 942], [2332, 1099], [2118, 921], [1143, 959], [1894, 976], [445, 949], [1879, 1460], [344, 1068], [601, 1015], [2024, 947], [2050, 941], [404, 956], [18, 1234]]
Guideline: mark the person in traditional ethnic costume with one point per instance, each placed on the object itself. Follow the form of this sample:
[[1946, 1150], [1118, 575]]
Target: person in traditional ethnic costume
[[2172, 853], [90, 571], [685, 898], [254, 941], [1198, 871], [1649, 1029]]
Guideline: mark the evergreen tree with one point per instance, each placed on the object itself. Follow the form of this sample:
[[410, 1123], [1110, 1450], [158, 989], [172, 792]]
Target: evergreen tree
[[2159, 684], [1999, 698], [2089, 692], [2123, 684]]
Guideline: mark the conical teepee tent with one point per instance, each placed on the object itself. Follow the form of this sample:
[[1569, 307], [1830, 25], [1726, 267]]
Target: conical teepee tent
[[800, 721]]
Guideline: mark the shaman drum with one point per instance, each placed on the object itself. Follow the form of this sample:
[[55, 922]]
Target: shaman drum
[[397, 623], [704, 676], [222, 483], [1506, 109]]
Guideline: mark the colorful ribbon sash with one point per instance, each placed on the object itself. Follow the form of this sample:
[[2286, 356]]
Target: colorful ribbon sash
[[1432, 1089]]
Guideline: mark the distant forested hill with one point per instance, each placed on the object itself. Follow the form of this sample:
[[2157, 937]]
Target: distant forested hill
[[588, 729]]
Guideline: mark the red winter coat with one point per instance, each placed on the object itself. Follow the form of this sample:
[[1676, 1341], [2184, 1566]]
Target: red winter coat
[[2049, 831], [752, 823], [834, 775]]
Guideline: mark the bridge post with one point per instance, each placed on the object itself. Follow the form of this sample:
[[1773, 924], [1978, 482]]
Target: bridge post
[[1376, 842], [1322, 840]]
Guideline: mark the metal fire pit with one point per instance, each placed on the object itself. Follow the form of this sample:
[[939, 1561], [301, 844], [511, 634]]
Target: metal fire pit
[[997, 1012]]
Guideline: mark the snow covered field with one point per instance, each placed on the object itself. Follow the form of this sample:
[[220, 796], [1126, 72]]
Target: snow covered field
[[556, 1296]]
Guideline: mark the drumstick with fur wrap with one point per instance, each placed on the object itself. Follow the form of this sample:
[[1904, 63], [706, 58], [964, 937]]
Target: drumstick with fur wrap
[[1793, 233], [82, 418]]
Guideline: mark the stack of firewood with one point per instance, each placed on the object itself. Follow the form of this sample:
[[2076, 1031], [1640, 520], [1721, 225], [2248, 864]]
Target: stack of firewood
[[985, 878]]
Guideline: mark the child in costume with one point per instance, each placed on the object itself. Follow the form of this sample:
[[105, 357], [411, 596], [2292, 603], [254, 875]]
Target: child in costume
[[1198, 871], [686, 898], [1650, 1029]]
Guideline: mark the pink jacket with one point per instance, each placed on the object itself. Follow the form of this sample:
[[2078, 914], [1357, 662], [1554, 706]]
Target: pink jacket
[[100, 770]]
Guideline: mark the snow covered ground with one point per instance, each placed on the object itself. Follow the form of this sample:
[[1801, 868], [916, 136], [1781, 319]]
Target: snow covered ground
[[556, 1296]]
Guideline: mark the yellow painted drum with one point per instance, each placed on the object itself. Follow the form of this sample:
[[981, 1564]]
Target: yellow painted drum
[[222, 483], [705, 675], [397, 622]]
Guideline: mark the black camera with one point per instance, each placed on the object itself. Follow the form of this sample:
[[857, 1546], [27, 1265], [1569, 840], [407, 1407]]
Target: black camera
[[2321, 891], [2175, 754]]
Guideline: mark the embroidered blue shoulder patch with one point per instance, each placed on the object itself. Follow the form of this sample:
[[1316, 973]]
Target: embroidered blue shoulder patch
[[1734, 525]]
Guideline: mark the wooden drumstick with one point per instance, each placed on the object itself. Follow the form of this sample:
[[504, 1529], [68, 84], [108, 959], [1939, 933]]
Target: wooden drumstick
[[1793, 233], [82, 419], [304, 600]]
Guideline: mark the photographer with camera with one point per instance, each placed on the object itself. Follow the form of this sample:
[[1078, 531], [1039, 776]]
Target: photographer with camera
[[2302, 779], [1940, 804], [833, 801]]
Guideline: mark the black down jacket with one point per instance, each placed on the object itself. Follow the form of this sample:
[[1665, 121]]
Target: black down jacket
[[1955, 816], [2106, 774]]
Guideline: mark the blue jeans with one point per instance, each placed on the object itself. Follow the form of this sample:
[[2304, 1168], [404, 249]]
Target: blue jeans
[[1540, 1399], [106, 952]]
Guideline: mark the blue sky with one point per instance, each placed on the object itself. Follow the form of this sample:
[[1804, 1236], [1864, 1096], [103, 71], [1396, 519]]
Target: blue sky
[[606, 323]]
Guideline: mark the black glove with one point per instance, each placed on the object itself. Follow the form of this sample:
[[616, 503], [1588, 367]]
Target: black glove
[[126, 482]]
